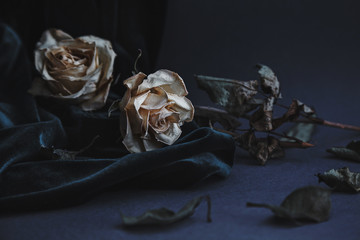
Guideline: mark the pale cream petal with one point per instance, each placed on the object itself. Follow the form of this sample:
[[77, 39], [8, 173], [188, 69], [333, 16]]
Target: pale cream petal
[[170, 136], [51, 37], [183, 106], [94, 63], [145, 115], [39, 59], [155, 101], [160, 120], [170, 81], [106, 53], [132, 143], [134, 81], [98, 100], [138, 101]]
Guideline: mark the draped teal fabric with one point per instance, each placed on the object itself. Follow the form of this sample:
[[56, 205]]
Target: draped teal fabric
[[30, 179]]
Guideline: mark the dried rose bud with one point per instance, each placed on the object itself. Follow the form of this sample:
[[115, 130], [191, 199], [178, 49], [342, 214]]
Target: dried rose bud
[[77, 70], [155, 109]]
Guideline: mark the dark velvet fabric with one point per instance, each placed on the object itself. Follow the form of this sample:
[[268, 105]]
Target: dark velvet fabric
[[30, 180]]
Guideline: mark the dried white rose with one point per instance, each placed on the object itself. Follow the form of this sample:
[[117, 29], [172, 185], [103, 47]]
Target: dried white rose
[[155, 108], [77, 70]]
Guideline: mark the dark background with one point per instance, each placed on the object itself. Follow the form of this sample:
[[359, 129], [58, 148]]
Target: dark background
[[313, 46]]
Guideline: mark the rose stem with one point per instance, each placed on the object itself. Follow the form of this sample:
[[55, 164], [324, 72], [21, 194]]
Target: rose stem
[[297, 144], [320, 121]]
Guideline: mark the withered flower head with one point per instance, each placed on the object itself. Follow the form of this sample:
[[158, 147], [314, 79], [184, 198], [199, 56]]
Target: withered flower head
[[78, 70], [155, 108]]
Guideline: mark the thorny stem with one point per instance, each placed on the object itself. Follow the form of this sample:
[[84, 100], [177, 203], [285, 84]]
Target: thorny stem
[[320, 121]]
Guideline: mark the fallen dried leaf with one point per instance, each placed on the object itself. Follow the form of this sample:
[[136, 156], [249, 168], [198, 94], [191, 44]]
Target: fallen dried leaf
[[305, 204], [341, 179], [351, 151], [163, 216]]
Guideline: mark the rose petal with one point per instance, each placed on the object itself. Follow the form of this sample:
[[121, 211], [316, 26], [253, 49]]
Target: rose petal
[[106, 54], [170, 136], [49, 38], [170, 81], [133, 144], [155, 100], [138, 101], [134, 81], [183, 106], [98, 100], [145, 115]]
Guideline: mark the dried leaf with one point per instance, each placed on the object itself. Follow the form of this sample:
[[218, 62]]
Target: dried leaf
[[301, 131], [205, 116], [57, 154], [351, 151], [269, 82], [237, 97], [341, 179], [308, 204], [163, 216], [266, 148], [263, 148], [304, 108], [261, 120], [293, 112], [62, 154]]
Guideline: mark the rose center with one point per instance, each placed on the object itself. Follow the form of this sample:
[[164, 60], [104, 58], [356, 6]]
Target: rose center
[[157, 123]]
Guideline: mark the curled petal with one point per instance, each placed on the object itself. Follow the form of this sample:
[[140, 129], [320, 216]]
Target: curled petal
[[170, 81], [132, 143], [138, 101], [133, 82], [106, 54], [183, 106], [171, 135], [155, 100]]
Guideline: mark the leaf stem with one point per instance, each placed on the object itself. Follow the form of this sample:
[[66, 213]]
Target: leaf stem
[[315, 120]]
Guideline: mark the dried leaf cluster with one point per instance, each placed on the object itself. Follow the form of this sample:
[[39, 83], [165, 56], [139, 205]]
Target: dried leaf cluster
[[255, 101]]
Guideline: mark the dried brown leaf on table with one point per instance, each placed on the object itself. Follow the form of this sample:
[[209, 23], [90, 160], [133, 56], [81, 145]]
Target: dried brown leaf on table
[[237, 97], [162, 216], [261, 120], [351, 151], [304, 204], [341, 179], [206, 116], [269, 82]]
